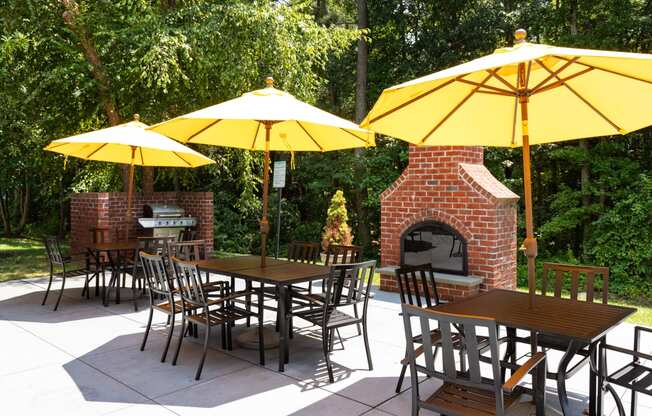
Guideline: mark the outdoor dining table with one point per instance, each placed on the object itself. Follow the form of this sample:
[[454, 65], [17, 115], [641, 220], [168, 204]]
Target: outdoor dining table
[[279, 273], [115, 252], [583, 323]]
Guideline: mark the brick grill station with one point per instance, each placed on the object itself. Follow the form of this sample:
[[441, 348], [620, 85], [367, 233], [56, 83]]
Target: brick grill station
[[451, 185], [107, 209]]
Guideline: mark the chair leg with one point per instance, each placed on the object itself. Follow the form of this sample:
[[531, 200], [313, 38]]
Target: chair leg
[[181, 335], [149, 325], [97, 281], [634, 399], [355, 313], [327, 359], [167, 344], [248, 300], [223, 329], [261, 337], [401, 376], [203, 357], [366, 345], [47, 291], [63, 286]]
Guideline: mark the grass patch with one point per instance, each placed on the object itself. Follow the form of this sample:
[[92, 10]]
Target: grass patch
[[22, 258]]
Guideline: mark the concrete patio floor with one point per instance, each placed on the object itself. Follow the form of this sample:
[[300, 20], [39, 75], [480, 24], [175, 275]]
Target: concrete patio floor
[[85, 359]]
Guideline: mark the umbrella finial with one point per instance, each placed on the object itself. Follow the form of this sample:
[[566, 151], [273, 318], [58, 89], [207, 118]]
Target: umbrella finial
[[520, 35], [136, 117], [270, 82]]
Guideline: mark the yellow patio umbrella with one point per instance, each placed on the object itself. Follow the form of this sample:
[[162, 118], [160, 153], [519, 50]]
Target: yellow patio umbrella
[[131, 144], [269, 120], [518, 96]]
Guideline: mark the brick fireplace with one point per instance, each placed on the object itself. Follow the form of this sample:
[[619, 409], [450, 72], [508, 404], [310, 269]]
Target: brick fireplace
[[448, 210], [107, 209]]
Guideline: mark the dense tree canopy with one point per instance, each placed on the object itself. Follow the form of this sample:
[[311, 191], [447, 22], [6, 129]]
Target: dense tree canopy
[[66, 65]]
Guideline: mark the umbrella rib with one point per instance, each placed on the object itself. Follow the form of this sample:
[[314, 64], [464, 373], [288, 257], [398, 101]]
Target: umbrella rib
[[203, 129], [95, 151], [557, 72], [489, 87], [560, 82], [514, 121], [494, 73], [55, 145], [584, 100], [609, 71], [310, 135], [366, 142], [180, 157], [256, 135], [410, 101], [457, 107]]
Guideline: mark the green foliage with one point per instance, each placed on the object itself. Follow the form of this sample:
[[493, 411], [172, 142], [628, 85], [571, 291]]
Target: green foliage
[[623, 239], [337, 229]]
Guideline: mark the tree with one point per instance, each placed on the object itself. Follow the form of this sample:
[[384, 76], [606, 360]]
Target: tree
[[337, 231]]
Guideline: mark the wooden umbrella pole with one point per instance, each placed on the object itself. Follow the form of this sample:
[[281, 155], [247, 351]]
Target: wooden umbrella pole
[[530, 243], [264, 223], [130, 191]]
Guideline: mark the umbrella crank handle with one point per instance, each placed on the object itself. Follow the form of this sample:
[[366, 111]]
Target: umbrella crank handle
[[529, 246]]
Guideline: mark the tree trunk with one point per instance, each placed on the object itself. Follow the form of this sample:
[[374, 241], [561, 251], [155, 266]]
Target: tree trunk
[[4, 214], [24, 209], [70, 17], [148, 179], [360, 111]]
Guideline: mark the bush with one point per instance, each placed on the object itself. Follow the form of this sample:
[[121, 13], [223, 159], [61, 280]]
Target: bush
[[336, 229]]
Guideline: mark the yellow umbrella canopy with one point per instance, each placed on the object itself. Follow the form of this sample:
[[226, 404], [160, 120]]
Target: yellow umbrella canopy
[[269, 120], [131, 144], [526, 94]]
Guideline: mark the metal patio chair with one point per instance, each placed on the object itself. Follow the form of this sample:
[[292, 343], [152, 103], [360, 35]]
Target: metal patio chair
[[465, 392], [634, 376], [57, 260], [338, 296], [198, 309], [417, 286]]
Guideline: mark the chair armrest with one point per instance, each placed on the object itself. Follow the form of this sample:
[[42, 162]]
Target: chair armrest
[[633, 353], [310, 299], [230, 297], [522, 371]]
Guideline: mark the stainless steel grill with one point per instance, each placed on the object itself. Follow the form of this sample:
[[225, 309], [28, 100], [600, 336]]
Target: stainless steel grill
[[165, 220]]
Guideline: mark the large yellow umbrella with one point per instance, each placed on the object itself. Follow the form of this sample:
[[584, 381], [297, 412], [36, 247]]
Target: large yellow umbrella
[[268, 120], [131, 144], [518, 96]]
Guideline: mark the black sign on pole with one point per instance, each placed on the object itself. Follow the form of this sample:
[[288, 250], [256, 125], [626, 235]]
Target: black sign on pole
[[278, 182]]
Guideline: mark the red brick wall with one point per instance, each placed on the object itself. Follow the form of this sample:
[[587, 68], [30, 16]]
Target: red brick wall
[[451, 185], [93, 209]]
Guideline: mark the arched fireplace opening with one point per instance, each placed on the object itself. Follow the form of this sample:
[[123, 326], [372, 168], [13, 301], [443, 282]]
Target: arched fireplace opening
[[436, 243]]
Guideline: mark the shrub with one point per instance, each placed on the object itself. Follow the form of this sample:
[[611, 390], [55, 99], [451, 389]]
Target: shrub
[[337, 230]]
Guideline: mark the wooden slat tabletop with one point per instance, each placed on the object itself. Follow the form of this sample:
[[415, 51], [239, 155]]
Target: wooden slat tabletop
[[275, 272], [586, 322], [230, 264]]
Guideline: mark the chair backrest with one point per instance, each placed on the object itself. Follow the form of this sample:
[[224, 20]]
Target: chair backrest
[[190, 284], [428, 320], [156, 274], [99, 234], [155, 245], [53, 250], [338, 254], [349, 284], [416, 283], [303, 252], [581, 278], [188, 250], [187, 234]]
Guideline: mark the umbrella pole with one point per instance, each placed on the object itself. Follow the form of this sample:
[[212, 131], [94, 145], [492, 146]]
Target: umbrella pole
[[264, 223], [530, 243], [130, 191]]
